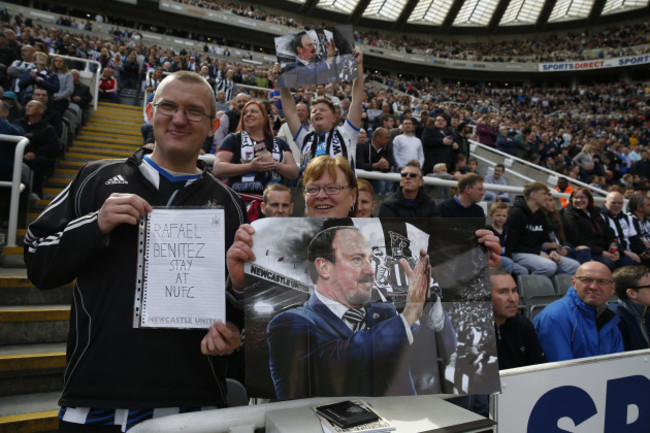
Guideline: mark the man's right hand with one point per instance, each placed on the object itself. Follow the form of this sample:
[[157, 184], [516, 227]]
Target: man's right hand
[[121, 209], [418, 279]]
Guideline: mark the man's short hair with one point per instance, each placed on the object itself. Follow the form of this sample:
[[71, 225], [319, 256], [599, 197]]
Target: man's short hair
[[188, 77], [530, 188], [323, 100], [627, 277], [472, 159], [320, 245], [461, 157], [501, 166], [384, 117], [379, 131], [636, 203], [437, 168], [497, 270], [364, 185], [274, 187], [468, 179], [296, 42], [497, 206], [414, 163]]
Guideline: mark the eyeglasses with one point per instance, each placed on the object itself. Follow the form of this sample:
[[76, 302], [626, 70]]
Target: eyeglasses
[[411, 175], [169, 109], [331, 189], [640, 287], [589, 281]]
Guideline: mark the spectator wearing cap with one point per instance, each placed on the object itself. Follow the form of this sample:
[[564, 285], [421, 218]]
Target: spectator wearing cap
[[15, 109]]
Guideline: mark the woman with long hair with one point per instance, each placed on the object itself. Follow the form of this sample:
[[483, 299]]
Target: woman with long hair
[[584, 225], [61, 98], [251, 158]]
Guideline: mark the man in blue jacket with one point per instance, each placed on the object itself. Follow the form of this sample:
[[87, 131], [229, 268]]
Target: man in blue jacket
[[580, 324]]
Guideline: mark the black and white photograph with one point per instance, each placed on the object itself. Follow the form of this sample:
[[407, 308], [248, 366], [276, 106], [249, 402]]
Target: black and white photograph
[[317, 56], [368, 307]]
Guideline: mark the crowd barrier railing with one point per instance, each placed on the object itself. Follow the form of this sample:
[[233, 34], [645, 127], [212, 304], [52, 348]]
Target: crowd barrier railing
[[16, 186]]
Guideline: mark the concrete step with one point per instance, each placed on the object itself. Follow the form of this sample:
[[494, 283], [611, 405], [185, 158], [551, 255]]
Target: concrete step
[[103, 107], [31, 368], [20, 291], [29, 413], [32, 324], [113, 128], [109, 143]]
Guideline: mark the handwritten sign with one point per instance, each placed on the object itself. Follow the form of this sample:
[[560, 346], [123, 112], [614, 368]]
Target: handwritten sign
[[181, 275]]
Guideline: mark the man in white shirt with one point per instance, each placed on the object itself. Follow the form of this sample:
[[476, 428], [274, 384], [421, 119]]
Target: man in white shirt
[[407, 146]]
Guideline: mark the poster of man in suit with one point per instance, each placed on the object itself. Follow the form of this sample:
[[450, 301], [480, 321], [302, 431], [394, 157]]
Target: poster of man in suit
[[316, 56], [340, 307]]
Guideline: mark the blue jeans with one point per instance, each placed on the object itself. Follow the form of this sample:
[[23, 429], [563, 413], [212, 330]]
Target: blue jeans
[[538, 265]]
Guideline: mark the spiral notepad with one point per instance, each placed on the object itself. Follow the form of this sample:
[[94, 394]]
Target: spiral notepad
[[180, 280]]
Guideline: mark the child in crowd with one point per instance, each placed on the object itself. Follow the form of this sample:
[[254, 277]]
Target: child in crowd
[[499, 216]]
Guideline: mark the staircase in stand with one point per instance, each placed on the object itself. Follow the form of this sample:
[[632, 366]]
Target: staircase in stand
[[33, 322]]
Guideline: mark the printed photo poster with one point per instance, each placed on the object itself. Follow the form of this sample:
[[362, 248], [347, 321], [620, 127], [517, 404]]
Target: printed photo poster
[[299, 343], [318, 56]]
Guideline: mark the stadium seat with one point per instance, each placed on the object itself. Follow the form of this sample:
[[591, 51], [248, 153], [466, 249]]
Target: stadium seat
[[237, 395], [536, 291], [562, 282]]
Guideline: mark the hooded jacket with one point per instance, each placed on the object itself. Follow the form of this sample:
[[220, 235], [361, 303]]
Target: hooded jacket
[[527, 230]]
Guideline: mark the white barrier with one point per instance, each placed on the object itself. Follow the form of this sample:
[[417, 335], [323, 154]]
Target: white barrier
[[608, 394], [15, 185]]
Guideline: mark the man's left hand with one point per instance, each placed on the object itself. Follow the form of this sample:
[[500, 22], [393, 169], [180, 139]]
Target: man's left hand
[[221, 339]]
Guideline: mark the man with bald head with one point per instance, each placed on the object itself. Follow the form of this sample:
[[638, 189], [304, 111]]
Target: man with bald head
[[580, 324], [81, 93], [43, 143], [624, 231]]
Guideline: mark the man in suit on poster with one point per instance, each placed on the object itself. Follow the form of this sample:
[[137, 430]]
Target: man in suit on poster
[[309, 68], [340, 343]]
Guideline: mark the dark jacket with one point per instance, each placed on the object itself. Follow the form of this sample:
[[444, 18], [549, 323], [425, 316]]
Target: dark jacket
[[452, 208], [365, 159], [435, 150], [517, 343], [398, 206], [590, 230], [527, 230], [111, 364], [634, 324], [43, 138]]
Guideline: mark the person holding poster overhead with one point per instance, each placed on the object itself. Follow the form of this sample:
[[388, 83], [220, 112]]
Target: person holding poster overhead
[[118, 375], [309, 68], [326, 138]]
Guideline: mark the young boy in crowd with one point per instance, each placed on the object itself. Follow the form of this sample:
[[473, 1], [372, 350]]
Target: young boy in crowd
[[499, 216]]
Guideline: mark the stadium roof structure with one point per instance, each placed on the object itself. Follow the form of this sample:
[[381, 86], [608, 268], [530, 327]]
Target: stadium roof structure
[[468, 16]]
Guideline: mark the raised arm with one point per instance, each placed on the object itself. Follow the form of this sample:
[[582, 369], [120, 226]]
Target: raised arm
[[354, 115]]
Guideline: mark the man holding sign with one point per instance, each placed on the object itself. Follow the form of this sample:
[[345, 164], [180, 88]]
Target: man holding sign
[[118, 375]]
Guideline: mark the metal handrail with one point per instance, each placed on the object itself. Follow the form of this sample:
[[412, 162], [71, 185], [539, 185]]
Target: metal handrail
[[16, 186], [552, 174], [87, 72]]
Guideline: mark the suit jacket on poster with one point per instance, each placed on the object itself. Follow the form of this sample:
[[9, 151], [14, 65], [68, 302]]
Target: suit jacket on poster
[[314, 353]]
